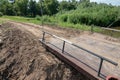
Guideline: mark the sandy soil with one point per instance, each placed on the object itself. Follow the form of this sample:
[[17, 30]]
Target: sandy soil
[[100, 44], [22, 57]]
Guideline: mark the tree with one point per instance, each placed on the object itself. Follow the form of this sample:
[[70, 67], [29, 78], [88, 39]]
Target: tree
[[84, 3], [51, 7], [32, 8], [84, 0], [22, 7], [38, 8], [7, 8], [10, 10], [67, 5], [3, 7]]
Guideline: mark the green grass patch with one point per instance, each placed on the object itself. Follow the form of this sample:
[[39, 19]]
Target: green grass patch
[[0, 21], [22, 19], [47, 20], [80, 26], [53, 21]]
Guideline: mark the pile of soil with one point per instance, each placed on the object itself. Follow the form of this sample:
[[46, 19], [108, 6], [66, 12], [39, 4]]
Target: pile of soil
[[22, 57]]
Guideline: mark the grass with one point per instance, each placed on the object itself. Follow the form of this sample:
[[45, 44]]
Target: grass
[[1, 21], [79, 26], [55, 22], [22, 19], [111, 33]]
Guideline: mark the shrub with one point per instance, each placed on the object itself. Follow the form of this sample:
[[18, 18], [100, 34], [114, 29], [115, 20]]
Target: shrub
[[38, 17], [73, 18], [46, 18], [1, 14], [97, 14], [64, 18]]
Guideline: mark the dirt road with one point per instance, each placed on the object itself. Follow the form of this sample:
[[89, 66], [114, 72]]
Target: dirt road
[[100, 44], [22, 57], [97, 43]]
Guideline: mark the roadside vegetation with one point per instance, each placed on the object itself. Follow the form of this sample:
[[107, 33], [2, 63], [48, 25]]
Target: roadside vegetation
[[1, 21], [52, 22], [81, 14]]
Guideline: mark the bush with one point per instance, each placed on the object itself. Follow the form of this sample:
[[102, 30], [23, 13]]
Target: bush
[[73, 18], [96, 14], [46, 18], [79, 18], [38, 17], [64, 18], [1, 14]]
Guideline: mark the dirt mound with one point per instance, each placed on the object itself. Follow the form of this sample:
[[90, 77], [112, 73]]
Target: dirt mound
[[22, 57]]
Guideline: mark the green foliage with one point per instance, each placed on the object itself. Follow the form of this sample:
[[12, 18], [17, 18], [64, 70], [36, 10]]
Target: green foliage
[[64, 5], [46, 18], [32, 8], [38, 17], [23, 19], [21, 7], [1, 14], [72, 11], [73, 18], [10, 10], [91, 14], [64, 18], [50, 7]]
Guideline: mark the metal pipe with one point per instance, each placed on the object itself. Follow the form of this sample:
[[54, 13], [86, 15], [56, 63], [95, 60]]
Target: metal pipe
[[101, 57], [58, 37], [63, 47], [114, 63], [101, 62], [111, 29], [43, 39]]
